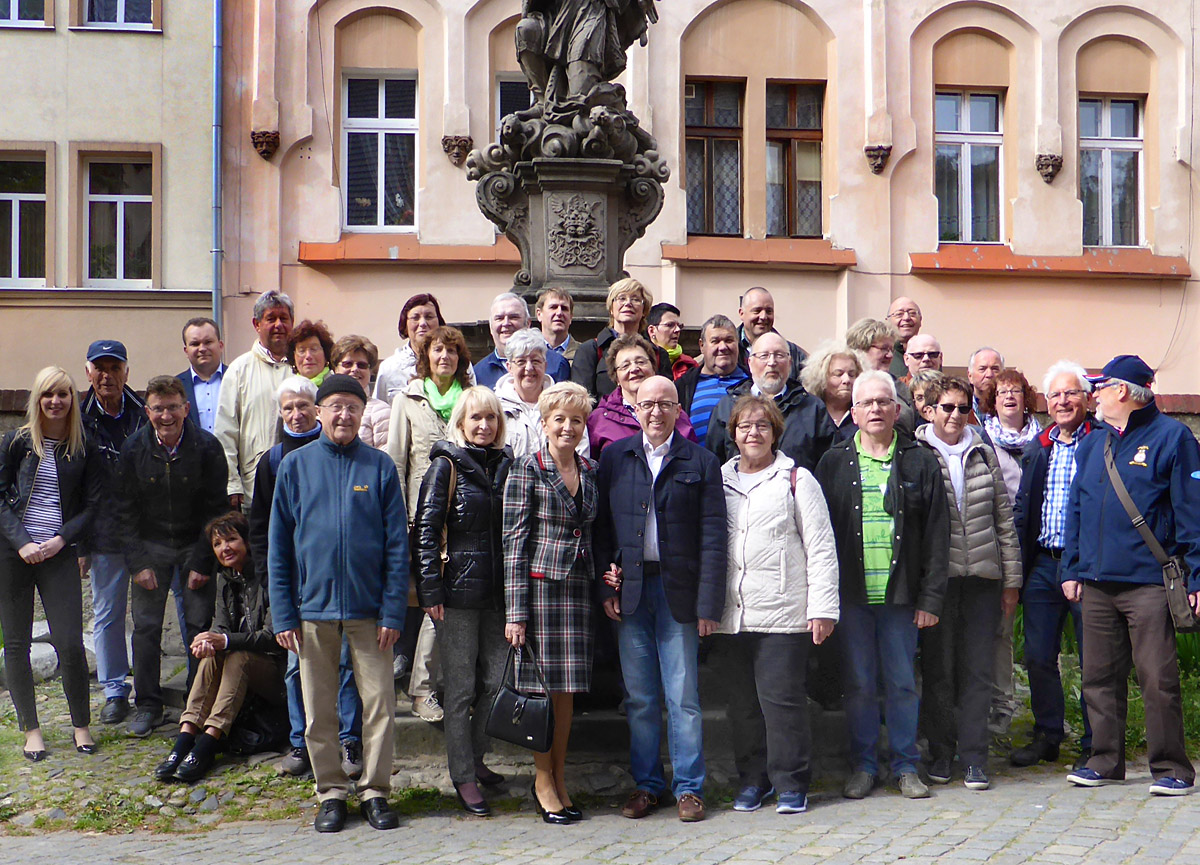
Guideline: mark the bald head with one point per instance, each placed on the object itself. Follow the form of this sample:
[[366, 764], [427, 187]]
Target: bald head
[[920, 353], [770, 363], [657, 408], [905, 316], [757, 312]]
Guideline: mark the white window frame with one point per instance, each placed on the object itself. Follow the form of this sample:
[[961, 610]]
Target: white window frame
[[13, 21], [380, 125], [12, 200], [1106, 144], [121, 200], [965, 138], [120, 23]]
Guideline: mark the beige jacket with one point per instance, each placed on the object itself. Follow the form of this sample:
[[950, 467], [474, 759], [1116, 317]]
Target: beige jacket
[[414, 427], [983, 538], [247, 415]]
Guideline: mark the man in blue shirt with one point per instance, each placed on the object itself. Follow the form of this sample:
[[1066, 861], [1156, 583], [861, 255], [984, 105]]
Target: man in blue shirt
[[202, 379], [509, 314], [701, 388]]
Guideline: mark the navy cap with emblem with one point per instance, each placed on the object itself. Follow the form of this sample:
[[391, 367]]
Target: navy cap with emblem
[[107, 348], [1126, 367]]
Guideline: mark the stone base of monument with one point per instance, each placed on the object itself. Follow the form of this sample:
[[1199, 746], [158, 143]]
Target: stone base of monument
[[572, 219]]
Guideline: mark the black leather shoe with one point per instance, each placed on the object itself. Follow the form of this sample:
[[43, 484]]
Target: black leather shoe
[[35, 756], [574, 813], [89, 748], [554, 818], [115, 710], [165, 771], [1040, 749], [487, 777], [479, 809], [193, 767], [331, 817], [379, 814]]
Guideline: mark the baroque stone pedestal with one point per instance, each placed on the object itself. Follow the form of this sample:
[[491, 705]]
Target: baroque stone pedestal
[[572, 219]]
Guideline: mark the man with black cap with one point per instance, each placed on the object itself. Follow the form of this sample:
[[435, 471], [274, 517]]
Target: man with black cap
[[111, 413], [1108, 566], [338, 565]]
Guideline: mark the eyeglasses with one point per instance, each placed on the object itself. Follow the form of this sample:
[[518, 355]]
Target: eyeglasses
[[950, 408], [881, 402], [629, 298], [921, 355], [1010, 391], [354, 364], [1072, 393], [902, 314], [777, 356], [533, 361], [640, 363], [760, 427], [1101, 385], [171, 408], [669, 325], [336, 408], [663, 405]]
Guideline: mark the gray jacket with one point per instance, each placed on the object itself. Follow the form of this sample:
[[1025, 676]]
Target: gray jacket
[[983, 538]]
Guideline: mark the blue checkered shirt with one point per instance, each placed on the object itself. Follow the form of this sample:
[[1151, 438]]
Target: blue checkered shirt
[[1059, 474]]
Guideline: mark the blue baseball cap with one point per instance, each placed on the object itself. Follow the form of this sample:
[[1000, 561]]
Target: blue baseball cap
[[1126, 367], [107, 348]]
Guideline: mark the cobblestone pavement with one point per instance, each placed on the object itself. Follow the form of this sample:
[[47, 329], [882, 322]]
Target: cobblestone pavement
[[1031, 817]]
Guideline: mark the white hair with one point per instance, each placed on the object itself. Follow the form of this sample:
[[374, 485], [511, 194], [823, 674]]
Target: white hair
[[508, 295], [1066, 366], [1137, 393], [296, 384], [870, 376], [980, 350], [525, 341]]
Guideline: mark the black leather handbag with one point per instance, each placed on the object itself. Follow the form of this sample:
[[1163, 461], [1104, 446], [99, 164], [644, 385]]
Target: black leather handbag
[[519, 718]]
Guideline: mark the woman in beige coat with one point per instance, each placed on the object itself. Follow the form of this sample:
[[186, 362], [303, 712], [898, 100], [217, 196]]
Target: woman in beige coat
[[984, 581]]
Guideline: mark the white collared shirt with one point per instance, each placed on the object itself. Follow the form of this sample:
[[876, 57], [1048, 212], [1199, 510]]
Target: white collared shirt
[[656, 457]]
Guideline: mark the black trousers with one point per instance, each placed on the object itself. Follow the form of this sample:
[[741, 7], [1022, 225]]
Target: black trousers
[[57, 581], [956, 669], [768, 707], [148, 608]]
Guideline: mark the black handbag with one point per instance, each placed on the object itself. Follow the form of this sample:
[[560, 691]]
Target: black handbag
[[519, 718], [1174, 568]]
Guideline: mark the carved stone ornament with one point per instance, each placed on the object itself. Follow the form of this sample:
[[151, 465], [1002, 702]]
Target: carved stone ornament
[[877, 156], [1048, 165], [574, 238], [265, 141], [457, 147]]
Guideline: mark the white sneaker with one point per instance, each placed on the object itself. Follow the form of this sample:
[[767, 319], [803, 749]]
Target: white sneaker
[[428, 709]]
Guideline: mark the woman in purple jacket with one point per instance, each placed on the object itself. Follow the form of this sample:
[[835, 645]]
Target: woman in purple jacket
[[630, 357]]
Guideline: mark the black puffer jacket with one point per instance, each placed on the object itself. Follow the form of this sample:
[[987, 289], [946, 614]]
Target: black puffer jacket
[[473, 575], [243, 612]]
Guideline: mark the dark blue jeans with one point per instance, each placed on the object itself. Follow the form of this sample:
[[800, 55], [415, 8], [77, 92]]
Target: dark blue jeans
[[1045, 615], [350, 708], [880, 639]]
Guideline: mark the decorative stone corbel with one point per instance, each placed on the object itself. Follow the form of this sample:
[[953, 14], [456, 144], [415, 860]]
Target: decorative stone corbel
[[266, 142], [877, 156], [1048, 165], [457, 147]]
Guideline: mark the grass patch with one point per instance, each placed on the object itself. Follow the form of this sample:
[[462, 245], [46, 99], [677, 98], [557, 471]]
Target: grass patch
[[110, 812]]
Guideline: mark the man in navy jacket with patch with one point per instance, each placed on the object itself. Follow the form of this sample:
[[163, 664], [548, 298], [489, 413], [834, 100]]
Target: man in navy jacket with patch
[[1108, 567], [338, 562], [660, 555]]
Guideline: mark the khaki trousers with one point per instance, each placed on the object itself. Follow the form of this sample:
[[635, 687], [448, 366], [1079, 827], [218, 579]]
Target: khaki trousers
[[320, 650], [222, 682]]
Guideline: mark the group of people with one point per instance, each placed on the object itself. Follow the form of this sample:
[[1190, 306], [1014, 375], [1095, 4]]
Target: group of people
[[855, 513]]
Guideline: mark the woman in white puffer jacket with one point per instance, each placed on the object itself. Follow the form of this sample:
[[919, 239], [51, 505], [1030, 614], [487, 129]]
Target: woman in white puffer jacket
[[781, 597]]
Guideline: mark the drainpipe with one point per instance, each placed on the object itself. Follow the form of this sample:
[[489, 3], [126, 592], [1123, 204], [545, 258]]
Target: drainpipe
[[216, 251]]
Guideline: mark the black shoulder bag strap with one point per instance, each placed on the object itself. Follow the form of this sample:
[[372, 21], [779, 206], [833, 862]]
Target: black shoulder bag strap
[[1139, 522]]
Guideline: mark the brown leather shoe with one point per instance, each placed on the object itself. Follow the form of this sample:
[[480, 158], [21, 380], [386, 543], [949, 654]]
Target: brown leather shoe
[[639, 804], [691, 808]]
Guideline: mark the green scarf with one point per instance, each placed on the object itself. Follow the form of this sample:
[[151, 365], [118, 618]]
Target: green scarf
[[443, 403], [674, 353], [319, 378]]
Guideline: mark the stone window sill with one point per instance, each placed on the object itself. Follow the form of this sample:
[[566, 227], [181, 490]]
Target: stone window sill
[[797, 253], [404, 249], [1000, 260]]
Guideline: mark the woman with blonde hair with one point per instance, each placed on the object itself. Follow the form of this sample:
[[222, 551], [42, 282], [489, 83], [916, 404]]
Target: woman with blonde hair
[[829, 375], [459, 556], [50, 487], [628, 305], [550, 504]]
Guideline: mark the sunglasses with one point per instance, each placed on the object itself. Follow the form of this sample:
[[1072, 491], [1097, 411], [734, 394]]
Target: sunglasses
[[949, 408], [921, 355]]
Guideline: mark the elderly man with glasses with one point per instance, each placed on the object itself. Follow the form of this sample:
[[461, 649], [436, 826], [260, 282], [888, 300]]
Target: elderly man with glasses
[[891, 525], [905, 316], [807, 430]]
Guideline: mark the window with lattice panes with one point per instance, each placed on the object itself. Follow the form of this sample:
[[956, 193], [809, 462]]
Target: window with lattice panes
[[1110, 170], [794, 121], [120, 217], [379, 147], [512, 95], [23, 222], [713, 156], [967, 140]]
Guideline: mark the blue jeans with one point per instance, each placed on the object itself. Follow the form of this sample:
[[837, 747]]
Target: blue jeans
[[659, 657], [1046, 612], [880, 639], [110, 599], [350, 708]]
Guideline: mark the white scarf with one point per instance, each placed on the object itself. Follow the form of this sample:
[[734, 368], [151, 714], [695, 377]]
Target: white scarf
[[953, 455]]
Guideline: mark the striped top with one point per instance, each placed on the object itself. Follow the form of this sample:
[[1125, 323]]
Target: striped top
[[877, 524], [43, 515], [709, 390]]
